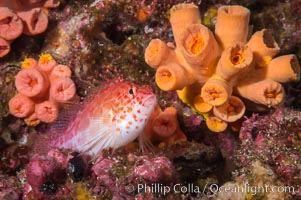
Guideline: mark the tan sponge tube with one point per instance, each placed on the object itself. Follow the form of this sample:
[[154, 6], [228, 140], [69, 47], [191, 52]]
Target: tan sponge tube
[[230, 111], [181, 16], [266, 92], [199, 48], [172, 77], [283, 69], [234, 60], [232, 25], [263, 47], [158, 53], [216, 92]]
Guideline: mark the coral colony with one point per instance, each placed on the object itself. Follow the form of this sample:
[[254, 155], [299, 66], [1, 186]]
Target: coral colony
[[69, 130], [210, 72], [26, 16], [42, 86]]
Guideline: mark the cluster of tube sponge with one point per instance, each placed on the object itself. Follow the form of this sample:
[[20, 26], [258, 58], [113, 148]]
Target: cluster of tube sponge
[[27, 16], [209, 71], [42, 86]]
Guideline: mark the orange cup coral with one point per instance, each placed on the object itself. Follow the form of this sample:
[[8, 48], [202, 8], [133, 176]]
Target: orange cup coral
[[42, 85], [17, 17], [163, 126], [222, 67]]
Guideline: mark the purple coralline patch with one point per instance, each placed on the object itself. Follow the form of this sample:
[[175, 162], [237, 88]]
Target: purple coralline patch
[[44, 174], [155, 170], [274, 139], [120, 175], [10, 188]]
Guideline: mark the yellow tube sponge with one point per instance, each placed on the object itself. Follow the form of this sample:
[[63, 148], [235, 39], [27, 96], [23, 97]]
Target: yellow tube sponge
[[283, 69], [234, 60], [205, 68], [266, 92], [215, 124], [199, 48], [231, 111], [232, 25], [172, 77], [216, 92], [200, 105], [158, 53], [181, 16], [263, 46]]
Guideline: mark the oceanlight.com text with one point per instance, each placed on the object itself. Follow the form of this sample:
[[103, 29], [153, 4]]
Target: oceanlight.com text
[[210, 190]]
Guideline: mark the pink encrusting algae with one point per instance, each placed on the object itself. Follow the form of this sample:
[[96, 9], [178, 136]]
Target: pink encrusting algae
[[115, 116]]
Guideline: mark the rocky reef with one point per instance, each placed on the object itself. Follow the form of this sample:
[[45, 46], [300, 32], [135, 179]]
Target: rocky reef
[[100, 40]]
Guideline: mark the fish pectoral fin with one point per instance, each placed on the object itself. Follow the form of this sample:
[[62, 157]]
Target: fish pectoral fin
[[145, 144], [98, 136]]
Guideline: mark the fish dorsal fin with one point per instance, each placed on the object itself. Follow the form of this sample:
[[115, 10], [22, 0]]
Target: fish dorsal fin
[[93, 91], [69, 111]]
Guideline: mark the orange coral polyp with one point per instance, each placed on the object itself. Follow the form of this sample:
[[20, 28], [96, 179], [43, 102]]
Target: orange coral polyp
[[283, 69], [164, 77], [182, 16], [200, 105], [60, 71], [32, 120], [172, 77], [263, 46], [270, 95], [231, 111], [47, 111], [196, 45], [62, 90], [31, 82], [215, 95], [21, 106], [234, 61], [166, 123], [156, 53], [237, 58], [215, 124], [232, 25], [216, 92], [199, 48], [267, 92]]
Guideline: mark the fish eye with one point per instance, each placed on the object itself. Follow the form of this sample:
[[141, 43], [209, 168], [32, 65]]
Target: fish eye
[[131, 91]]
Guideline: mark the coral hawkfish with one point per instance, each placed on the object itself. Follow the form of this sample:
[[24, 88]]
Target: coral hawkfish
[[114, 116]]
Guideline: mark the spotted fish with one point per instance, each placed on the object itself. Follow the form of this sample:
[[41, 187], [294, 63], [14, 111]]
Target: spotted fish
[[114, 117]]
